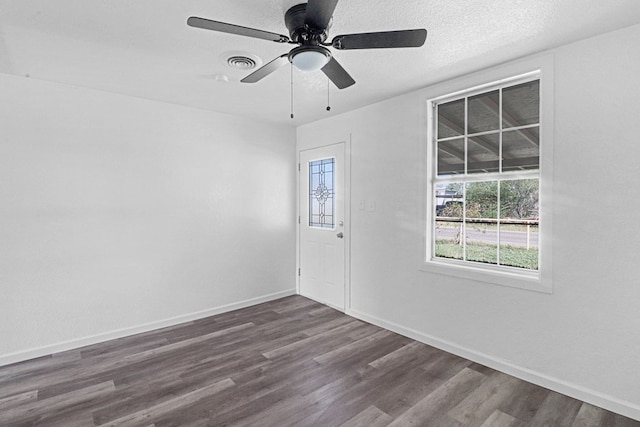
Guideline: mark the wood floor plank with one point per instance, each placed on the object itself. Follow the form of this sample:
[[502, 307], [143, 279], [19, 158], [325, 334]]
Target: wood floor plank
[[138, 397], [347, 396], [363, 331], [556, 410], [352, 396], [18, 399], [162, 334], [402, 355], [16, 371], [592, 416], [117, 351], [500, 419], [295, 304], [295, 407], [246, 413], [403, 394], [185, 343], [362, 345], [16, 379], [445, 365], [440, 401], [370, 417], [311, 341], [485, 400], [77, 419], [589, 416], [410, 383], [320, 311], [39, 410], [525, 401], [225, 367], [616, 420], [229, 405], [331, 324], [78, 370], [286, 362], [367, 385], [71, 385], [146, 416], [444, 421]]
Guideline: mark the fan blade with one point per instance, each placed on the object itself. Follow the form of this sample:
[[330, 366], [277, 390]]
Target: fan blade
[[381, 40], [223, 27], [319, 13], [337, 74], [267, 69]]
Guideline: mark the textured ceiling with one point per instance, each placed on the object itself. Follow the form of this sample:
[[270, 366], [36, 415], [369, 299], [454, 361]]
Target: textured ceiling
[[144, 48]]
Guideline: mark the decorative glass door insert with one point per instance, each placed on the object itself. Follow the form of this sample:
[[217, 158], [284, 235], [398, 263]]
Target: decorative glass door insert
[[321, 193]]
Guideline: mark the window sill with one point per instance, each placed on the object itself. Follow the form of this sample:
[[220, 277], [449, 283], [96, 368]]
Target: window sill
[[531, 281]]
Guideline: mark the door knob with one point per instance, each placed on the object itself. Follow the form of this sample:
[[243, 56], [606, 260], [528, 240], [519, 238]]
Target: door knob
[[340, 235]]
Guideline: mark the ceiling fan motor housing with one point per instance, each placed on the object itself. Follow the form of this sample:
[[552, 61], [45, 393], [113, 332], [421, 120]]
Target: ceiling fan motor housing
[[299, 32]]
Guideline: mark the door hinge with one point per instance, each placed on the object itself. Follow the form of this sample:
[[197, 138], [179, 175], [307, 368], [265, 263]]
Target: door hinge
[[298, 272], [298, 220], [298, 167]]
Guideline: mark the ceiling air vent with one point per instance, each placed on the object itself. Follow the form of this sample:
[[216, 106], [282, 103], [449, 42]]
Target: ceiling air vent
[[241, 62]]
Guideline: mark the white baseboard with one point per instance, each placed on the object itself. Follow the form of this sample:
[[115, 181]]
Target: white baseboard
[[20, 356], [610, 403]]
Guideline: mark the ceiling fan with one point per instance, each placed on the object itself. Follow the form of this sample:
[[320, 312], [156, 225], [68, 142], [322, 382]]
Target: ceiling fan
[[307, 24]]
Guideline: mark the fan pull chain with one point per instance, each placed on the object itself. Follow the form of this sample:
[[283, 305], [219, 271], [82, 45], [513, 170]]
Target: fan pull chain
[[291, 90], [328, 99]]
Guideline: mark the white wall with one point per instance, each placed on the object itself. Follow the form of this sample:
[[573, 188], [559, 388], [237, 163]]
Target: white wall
[[584, 338], [120, 214]]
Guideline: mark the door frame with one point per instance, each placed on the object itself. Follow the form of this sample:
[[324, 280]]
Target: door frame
[[347, 215]]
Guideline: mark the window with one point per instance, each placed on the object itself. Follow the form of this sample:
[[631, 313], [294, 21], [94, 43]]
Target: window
[[485, 179]]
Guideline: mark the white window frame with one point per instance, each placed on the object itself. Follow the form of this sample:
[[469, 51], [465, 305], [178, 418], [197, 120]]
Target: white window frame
[[535, 68]]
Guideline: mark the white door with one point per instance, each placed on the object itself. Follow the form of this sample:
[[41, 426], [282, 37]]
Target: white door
[[322, 227]]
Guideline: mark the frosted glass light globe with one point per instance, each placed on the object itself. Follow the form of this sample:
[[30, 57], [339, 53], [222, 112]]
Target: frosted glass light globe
[[310, 59]]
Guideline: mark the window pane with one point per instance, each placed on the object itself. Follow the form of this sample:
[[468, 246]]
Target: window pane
[[484, 112], [481, 234], [451, 157], [521, 105], [483, 153], [519, 223], [321, 193], [451, 119], [519, 198], [448, 220], [521, 149]]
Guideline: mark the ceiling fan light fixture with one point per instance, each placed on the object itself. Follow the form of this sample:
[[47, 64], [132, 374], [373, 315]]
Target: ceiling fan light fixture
[[309, 58], [307, 24]]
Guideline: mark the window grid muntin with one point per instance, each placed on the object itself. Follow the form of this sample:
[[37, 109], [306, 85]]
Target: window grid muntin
[[466, 139], [481, 177], [500, 165], [490, 132]]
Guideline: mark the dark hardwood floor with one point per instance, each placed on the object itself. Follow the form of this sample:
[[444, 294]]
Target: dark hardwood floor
[[290, 362]]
